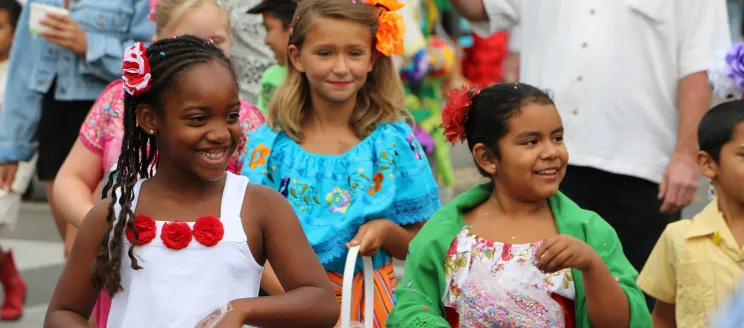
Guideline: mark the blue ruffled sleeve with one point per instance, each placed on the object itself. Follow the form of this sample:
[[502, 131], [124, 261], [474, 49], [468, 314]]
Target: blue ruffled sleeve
[[416, 196]]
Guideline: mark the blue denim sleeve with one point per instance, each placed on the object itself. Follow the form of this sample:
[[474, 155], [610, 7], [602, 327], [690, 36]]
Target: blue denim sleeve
[[18, 120], [103, 57]]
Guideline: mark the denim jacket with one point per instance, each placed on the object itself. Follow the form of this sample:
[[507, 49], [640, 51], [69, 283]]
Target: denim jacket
[[110, 26]]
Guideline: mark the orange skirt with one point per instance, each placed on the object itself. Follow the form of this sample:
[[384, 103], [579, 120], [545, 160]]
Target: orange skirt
[[384, 279]]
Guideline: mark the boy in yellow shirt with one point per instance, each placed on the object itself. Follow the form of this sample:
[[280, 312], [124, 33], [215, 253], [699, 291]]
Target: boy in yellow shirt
[[696, 264]]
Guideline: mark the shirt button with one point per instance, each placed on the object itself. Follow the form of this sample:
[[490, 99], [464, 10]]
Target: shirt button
[[584, 45], [579, 78], [575, 112], [592, 11], [62, 90]]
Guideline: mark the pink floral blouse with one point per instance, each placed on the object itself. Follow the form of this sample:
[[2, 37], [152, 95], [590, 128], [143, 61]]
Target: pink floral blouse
[[103, 129]]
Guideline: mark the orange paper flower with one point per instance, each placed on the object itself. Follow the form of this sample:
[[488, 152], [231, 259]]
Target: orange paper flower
[[391, 27]]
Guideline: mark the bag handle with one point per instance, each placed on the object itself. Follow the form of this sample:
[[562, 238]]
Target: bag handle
[[348, 284]]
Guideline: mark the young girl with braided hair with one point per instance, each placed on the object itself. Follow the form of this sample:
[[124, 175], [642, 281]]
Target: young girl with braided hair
[[156, 244], [337, 145], [515, 252], [96, 151]]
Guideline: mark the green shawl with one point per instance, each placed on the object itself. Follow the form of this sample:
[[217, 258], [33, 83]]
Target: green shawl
[[419, 295]]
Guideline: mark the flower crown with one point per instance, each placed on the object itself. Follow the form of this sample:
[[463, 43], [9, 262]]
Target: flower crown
[[391, 27], [136, 70], [455, 113], [726, 74]]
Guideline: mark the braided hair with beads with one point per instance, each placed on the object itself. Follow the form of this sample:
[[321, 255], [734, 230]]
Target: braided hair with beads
[[167, 59]]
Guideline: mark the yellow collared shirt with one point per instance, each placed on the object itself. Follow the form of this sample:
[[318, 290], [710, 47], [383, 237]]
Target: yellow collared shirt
[[696, 265]]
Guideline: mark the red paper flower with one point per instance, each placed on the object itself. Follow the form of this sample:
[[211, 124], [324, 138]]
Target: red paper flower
[[136, 69], [176, 234], [146, 230], [454, 112], [208, 230]]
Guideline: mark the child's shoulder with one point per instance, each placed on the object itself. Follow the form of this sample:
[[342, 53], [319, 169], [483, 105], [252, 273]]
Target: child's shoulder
[[260, 202], [678, 230], [393, 128], [703, 223]]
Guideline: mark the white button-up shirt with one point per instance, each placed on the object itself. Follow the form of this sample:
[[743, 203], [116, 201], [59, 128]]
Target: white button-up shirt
[[613, 67]]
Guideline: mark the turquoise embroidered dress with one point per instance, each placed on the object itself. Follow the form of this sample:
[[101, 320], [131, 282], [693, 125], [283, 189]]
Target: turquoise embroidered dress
[[385, 176]]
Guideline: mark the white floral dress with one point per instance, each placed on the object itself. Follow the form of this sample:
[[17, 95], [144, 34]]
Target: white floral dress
[[503, 262]]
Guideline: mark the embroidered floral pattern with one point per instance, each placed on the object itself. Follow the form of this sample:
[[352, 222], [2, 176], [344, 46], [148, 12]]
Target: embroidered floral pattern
[[376, 183], [387, 160], [468, 248], [259, 155], [415, 146], [304, 196], [357, 180], [269, 174], [338, 200]]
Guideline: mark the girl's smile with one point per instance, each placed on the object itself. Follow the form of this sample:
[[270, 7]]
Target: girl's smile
[[214, 156]]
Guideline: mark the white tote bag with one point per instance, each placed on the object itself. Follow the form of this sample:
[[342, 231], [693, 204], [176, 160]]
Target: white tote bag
[[369, 290]]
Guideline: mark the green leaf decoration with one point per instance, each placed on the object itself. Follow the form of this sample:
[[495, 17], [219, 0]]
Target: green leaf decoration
[[315, 198], [271, 177], [355, 185], [385, 155], [306, 199], [384, 167], [304, 188], [293, 192], [363, 176]]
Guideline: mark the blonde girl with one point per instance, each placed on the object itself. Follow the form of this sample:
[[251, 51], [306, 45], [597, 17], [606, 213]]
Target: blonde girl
[[337, 145]]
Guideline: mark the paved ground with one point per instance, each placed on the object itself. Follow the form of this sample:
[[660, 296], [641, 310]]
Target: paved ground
[[38, 249]]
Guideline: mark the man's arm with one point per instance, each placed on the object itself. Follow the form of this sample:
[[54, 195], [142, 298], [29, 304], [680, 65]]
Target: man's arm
[[702, 30], [680, 180], [694, 97], [487, 17]]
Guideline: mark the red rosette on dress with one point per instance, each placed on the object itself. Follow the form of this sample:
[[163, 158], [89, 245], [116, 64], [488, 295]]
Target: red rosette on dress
[[454, 112], [176, 234], [208, 230], [146, 230]]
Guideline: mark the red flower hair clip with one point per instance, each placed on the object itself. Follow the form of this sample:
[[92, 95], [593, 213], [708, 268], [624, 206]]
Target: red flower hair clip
[[136, 69], [454, 113]]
